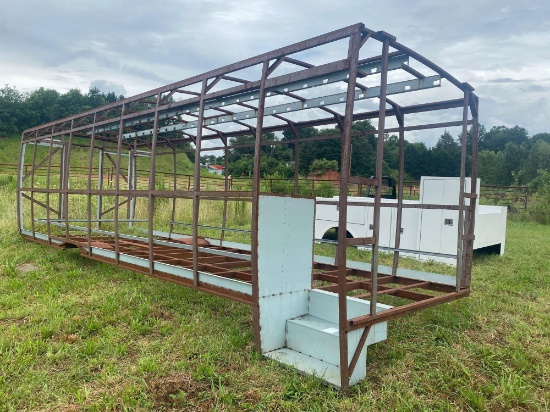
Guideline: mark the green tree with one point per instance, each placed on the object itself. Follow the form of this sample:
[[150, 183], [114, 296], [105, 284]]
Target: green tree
[[491, 167], [499, 136], [12, 110], [538, 159], [321, 166]]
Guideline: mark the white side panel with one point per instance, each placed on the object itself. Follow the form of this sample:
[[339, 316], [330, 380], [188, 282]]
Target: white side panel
[[326, 212], [385, 236], [285, 252], [409, 230], [490, 226], [285, 261], [274, 312], [443, 190], [307, 365], [356, 214], [431, 190], [324, 305], [449, 231], [319, 338], [429, 233]]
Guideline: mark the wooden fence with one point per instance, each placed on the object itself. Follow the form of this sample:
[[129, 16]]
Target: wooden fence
[[515, 197]]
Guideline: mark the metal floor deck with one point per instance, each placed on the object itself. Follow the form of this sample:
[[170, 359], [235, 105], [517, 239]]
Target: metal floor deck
[[231, 266]]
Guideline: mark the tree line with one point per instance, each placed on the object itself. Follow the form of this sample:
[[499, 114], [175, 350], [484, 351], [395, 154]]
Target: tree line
[[507, 155], [20, 111]]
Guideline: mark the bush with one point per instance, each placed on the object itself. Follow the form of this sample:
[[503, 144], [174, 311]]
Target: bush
[[8, 181], [321, 166], [324, 189], [539, 208]]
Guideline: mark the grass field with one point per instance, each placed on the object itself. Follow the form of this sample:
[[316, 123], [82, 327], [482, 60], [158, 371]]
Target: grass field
[[79, 335]]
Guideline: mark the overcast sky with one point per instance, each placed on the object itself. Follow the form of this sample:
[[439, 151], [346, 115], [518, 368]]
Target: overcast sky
[[502, 48]]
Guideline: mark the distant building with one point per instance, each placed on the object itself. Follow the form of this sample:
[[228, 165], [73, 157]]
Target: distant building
[[215, 169]]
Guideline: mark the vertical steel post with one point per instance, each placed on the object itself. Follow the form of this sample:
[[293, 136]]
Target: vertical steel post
[[67, 181], [22, 150], [117, 183], [353, 59], [256, 203], [466, 279], [129, 176], [152, 179], [226, 186], [461, 201], [48, 187], [32, 186], [296, 167], [134, 182], [401, 121], [197, 184], [379, 168], [100, 184], [61, 195], [175, 185], [89, 192]]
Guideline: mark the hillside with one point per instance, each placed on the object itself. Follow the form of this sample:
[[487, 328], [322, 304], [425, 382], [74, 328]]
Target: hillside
[[9, 156]]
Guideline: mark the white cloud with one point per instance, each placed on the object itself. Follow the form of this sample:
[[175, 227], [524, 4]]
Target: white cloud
[[143, 45], [105, 86]]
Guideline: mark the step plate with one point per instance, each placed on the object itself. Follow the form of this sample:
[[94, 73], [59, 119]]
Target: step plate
[[307, 365]]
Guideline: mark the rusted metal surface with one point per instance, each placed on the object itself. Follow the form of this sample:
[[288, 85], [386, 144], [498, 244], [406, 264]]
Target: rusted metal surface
[[229, 105]]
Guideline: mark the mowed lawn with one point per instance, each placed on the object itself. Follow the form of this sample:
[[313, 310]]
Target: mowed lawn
[[80, 335]]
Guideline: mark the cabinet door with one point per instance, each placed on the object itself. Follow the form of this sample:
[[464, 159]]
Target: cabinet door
[[409, 230], [386, 225], [430, 230]]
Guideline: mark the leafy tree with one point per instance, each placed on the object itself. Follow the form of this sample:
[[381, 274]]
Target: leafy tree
[[491, 167], [416, 159], [540, 136], [321, 166], [499, 136], [538, 159], [19, 111], [12, 110], [445, 156]]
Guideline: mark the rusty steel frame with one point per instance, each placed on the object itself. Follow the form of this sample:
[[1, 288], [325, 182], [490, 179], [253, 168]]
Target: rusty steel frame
[[143, 123]]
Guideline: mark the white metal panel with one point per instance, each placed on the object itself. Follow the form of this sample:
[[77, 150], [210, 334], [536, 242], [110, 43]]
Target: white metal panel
[[431, 190], [430, 230], [285, 249], [384, 237], [308, 365], [409, 230], [319, 339], [449, 231], [326, 212], [356, 214], [285, 262], [443, 190], [274, 312], [324, 305], [490, 226]]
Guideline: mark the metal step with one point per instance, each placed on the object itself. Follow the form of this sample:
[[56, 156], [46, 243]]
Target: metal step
[[319, 339], [312, 343], [307, 365], [324, 305]]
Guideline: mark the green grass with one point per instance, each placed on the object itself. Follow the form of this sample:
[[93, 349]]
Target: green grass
[[79, 335], [10, 146]]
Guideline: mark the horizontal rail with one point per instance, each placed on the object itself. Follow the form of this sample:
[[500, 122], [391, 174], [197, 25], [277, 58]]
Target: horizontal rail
[[383, 316], [212, 227]]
